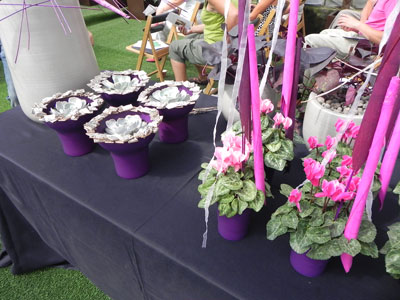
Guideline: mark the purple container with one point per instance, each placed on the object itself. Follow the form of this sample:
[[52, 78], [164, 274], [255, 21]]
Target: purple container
[[174, 127], [73, 137], [235, 228], [307, 266], [131, 160], [117, 100]]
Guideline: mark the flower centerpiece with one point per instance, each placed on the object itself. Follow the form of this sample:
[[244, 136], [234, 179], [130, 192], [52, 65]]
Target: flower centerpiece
[[174, 100], [126, 132], [316, 213], [391, 249], [119, 87], [66, 113], [229, 182]]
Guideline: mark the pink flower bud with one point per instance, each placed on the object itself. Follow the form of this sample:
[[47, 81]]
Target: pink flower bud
[[330, 142], [313, 142], [295, 197], [266, 106], [278, 119], [287, 123]]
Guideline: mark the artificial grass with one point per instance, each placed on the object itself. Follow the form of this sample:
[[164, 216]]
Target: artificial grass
[[111, 34]]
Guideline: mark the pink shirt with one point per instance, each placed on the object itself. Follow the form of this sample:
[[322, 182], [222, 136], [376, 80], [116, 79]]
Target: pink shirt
[[380, 13]]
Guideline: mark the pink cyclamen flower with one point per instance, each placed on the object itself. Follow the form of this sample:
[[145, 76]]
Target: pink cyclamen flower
[[314, 172], [295, 197], [347, 161], [330, 142], [287, 123], [334, 190], [354, 131], [313, 142], [266, 106], [278, 119], [339, 124], [329, 155], [355, 181], [344, 171]]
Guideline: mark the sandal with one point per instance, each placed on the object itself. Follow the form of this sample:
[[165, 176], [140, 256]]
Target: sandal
[[199, 81]]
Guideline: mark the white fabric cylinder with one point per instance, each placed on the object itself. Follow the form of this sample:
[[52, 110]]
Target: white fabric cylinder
[[55, 61]]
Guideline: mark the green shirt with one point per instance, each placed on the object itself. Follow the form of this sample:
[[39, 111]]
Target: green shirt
[[212, 24]]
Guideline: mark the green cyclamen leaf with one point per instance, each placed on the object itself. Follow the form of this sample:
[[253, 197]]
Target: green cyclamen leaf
[[274, 146], [258, 202], [337, 227], [267, 135], [234, 208], [231, 181], [284, 209], [367, 232], [352, 247], [298, 239], [275, 228], [286, 149], [392, 262], [264, 122], [286, 189], [369, 249], [274, 161], [290, 220], [224, 209], [397, 189], [242, 206], [248, 192], [319, 235], [226, 199]]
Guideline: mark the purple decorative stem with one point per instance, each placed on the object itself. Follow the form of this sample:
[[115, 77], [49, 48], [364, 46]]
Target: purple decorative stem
[[293, 100], [307, 266], [235, 228]]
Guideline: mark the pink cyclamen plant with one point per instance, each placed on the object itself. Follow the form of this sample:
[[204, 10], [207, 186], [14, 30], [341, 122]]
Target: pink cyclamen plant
[[266, 106]]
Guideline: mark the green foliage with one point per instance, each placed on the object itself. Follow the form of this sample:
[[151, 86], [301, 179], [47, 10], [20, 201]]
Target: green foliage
[[392, 250], [317, 231], [233, 191], [278, 150], [397, 190]]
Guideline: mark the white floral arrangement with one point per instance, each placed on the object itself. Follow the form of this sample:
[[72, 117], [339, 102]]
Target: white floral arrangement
[[123, 82], [70, 105], [166, 95], [128, 129]]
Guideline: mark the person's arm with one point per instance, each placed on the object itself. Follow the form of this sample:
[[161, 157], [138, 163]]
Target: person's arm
[[194, 29], [260, 8], [369, 6], [219, 6], [371, 34], [167, 5]]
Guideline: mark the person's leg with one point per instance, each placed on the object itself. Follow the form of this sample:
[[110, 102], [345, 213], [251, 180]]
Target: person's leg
[[333, 38], [188, 49], [12, 95]]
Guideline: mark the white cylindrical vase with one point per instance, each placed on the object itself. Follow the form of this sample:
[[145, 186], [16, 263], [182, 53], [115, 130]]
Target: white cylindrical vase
[[55, 61]]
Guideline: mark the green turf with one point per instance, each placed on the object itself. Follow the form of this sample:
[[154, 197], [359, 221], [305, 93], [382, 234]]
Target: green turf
[[112, 34]]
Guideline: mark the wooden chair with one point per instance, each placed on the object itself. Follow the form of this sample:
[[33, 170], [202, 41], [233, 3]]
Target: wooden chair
[[159, 55], [193, 19]]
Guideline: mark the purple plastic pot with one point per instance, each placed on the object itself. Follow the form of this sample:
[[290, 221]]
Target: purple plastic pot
[[174, 127], [73, 137], [235, 228], [307, 266], [131, 160], [117, 100]]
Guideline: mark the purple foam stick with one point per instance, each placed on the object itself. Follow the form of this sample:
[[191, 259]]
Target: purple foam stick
[[390, 66], [295, 88]]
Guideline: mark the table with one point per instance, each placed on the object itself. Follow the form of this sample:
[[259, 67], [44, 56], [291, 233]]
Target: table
[[141, 239]]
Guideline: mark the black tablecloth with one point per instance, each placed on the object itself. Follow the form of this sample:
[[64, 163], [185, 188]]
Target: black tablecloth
[[141, 239]]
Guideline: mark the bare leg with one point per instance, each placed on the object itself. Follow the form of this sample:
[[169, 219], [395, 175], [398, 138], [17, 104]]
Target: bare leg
[[179, 70]]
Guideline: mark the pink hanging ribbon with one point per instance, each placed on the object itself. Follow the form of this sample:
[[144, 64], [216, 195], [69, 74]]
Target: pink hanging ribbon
[[255, 108], [357, 211], [290, 53], [393, 148], [112, 8]]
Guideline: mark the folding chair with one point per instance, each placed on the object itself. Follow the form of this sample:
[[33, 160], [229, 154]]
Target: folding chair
[[301, 25], [159, 55], [193, 19]]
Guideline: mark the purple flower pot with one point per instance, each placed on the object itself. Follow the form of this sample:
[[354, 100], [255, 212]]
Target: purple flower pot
[[235, 228], [117, 100], [307, 266], [130, 160], [174, 127], [73, 137]]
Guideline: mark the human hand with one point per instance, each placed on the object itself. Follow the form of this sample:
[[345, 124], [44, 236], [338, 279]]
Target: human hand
[[349, 23], [182, 29]]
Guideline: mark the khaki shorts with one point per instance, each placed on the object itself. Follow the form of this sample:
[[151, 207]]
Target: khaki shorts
[[188, 49]]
